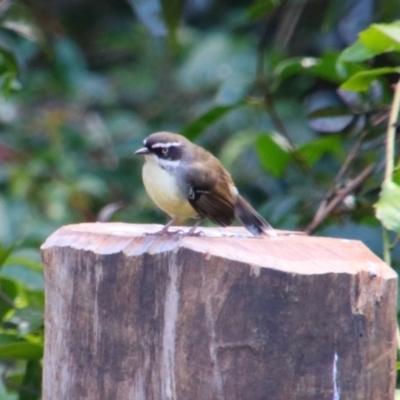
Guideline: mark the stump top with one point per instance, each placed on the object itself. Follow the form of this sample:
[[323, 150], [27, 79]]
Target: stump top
[[286, 252]]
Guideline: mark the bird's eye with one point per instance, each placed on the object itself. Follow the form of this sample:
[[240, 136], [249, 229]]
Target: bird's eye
[[164, 150]]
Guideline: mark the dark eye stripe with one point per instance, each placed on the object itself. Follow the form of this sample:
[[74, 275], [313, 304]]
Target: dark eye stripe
[[168, 153]]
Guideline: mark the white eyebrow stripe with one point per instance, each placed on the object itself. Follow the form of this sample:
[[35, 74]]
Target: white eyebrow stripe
[[168, 144]]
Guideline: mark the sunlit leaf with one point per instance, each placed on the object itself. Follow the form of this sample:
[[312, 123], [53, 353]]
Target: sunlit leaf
[[23, 28], [356, 52], [361, 81], [274, 156], [387, 209], [21, 351], [381, 38], [396, 174], [20, 18]]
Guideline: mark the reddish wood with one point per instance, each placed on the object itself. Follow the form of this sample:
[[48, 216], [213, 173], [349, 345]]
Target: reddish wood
[[217, 316]]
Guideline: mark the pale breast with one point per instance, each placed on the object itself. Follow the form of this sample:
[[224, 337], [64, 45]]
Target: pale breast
[[162, 189]]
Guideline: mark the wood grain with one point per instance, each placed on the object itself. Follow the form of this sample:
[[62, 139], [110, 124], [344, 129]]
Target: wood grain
[[222, 316]]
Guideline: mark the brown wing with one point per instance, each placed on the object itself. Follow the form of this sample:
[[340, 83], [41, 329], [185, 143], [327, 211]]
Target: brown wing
[[210, 196]]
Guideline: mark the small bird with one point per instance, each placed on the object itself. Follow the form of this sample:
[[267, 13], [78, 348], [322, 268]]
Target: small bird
[[187, 181]]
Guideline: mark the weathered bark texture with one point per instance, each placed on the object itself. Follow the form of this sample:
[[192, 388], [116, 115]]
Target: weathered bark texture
[[142, 317]]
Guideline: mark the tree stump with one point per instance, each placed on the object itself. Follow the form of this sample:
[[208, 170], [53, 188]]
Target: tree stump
[[220, 316]]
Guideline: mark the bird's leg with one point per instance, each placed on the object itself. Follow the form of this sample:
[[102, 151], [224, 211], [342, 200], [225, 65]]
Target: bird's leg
[[191, 232], [193, 228], [164, 230]]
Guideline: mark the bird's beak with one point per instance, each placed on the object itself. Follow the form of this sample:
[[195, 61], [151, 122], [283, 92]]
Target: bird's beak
[[142, 151]]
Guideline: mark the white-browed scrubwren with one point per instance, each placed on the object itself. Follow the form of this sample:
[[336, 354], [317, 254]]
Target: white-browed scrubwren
[[187, 181]]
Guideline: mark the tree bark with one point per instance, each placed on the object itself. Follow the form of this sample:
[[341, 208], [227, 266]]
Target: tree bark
[[220, 316]]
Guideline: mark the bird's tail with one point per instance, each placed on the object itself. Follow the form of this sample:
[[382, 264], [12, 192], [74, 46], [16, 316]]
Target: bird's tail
[[252, 221]]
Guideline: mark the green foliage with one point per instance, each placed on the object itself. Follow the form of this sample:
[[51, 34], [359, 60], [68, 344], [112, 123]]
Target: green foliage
[[296, 115], [362, 81], [377, 39], [388, 206], [313, 152], [21, 331], [262, 8], [273, 153], [194, 129]]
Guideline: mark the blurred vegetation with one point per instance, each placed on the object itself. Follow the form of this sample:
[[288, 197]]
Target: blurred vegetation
[[293, 96]]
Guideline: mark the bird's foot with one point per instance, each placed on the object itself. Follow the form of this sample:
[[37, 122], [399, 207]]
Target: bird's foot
[[192, 232], [166, 232]]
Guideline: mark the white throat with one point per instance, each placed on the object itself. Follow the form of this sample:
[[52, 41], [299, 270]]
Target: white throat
[[160, 181], [168, 165]]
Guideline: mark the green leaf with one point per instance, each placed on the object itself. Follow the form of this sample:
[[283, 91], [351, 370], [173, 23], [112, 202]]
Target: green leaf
[[356, 52], [192, 130], [387, 9], [26, 262], [361, 81], [327, 67], [237, 144], [377, 39], [387, 209], [295, 65], [6, 393], [8, 293], [31, 385], [70, 65], [262, 7], [272, 153], [5, 252], [313, 151], [35, 298], [21, 351], [8, 70], [172, 11], [382, 38], [324, 67], [6, 338], [27, 320], [396, 174]]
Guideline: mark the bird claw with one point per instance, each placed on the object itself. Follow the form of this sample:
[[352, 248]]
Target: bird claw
[[195, 234], [165, 232]]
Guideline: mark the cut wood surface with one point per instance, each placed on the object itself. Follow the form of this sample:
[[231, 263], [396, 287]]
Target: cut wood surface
[[224, 316]]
